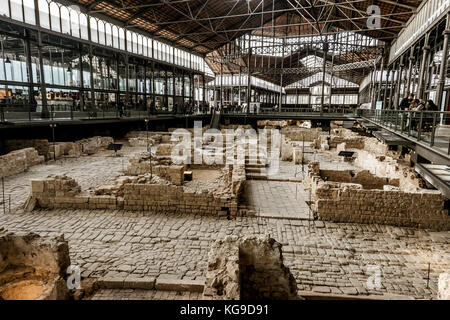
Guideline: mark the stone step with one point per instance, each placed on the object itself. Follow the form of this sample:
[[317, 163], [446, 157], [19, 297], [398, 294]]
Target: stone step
[[255, 176], [253, 170], [150, 283]]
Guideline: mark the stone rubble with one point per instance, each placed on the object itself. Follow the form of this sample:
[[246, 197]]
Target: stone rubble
[[33, 267], [248, 268]]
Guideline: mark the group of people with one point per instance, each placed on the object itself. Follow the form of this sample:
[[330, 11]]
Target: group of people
[[417, 105], [411, 104]]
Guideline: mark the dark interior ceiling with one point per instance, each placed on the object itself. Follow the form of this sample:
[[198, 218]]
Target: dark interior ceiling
[[203, 26]]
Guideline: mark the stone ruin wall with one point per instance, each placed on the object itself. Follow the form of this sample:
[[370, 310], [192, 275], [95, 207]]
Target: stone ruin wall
[[348, 202], [249, 268], [33, 267], [64, 192], [20, 160]]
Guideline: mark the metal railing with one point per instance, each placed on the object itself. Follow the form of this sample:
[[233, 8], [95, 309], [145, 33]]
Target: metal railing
[[290, 111], [19, 113], [430, 127]]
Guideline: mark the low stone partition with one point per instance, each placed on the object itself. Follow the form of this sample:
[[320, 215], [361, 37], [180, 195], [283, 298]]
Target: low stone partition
[[141, 165], [349, 202], [249, 268], [33, 267], [18, 161], [63, 192], [168, 199], [49, 151]]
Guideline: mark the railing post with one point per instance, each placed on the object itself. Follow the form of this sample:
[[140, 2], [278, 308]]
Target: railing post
[[433, 129], [419, 130], [410, 122], [396, 121]]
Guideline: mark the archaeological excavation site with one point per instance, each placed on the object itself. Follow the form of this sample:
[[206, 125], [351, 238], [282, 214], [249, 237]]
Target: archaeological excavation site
[[246, 153], [274, 210]]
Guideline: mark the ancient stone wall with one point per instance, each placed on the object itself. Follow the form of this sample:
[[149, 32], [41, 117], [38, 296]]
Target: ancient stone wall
[[41, 145], [248, 268], [141, 165], [346, 202], [18, 161], [64, 192], [364, 178], [33, 267], [302, 134]]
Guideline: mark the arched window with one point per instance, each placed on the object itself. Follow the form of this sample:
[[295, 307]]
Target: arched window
[[139, 49], [150, 48], [115, 36], [28, 7], [75, 23], [54, 17], [108, 34], [121, 39], [94, 32], [44, 16], [135, 43], [101, 32], [16, 10], [129, 42], [65, 20], [145, 46], [84, 27]]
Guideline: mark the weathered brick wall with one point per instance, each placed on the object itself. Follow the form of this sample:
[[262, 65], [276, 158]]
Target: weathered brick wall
[[365, 178], [41, 145], [141, 165], [18, 161], [343, 202], [302, 134], [417, 210], [64, 192], [159, 198]]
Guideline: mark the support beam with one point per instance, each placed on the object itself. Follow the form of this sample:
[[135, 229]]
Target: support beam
[[443, 68]]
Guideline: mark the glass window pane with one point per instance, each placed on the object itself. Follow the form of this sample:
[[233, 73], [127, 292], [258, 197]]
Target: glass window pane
[[94, 34], [108, 33], [54, 15], [129, 42], [16, 10], [115, 34], [75, 24], [135, 43], [121, 39], [65, 22], [101, 32], [29, 11], [4, 9], [139, 51], [84, 26]]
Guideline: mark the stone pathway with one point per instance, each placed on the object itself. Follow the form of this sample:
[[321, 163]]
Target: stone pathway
[[139, 294], [277, 199], [89, 171], [324, 257]]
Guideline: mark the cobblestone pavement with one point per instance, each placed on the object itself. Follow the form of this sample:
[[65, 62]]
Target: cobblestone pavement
[[139, 294], [324, 257], [277, 199], [89, 171]]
